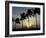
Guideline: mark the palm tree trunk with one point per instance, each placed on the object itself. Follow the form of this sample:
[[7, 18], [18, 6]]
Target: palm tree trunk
[[28, 20], [36, 21], [22, 24], [33, 19], [15, 24]]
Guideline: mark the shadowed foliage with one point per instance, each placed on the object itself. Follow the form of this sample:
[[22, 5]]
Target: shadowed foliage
[[29, 13], [22, 17], [37, 10], [17, 20]]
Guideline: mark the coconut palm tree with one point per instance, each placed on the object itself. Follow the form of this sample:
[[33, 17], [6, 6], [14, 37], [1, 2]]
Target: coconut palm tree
[[37, 10], [22, 18], [17, 20], [29, 13]]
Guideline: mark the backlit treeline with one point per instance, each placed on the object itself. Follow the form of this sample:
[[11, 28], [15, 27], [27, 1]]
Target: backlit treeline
[[30, 12]]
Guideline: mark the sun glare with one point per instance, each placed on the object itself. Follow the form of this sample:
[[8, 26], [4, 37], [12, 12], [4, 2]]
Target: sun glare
[[28, 25]]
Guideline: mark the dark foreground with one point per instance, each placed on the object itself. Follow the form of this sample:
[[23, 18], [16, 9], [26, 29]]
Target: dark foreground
[[25, 29]]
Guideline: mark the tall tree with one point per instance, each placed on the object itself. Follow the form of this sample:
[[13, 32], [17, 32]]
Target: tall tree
[[17, 20], [22, 18], [29, 13], [36, 11]]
